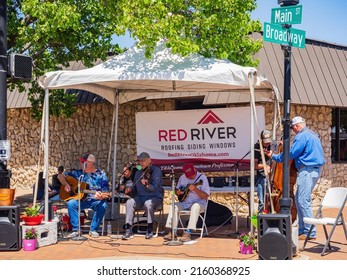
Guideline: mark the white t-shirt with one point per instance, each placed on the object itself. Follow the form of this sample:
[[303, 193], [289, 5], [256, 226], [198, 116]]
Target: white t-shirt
[[192, 197]]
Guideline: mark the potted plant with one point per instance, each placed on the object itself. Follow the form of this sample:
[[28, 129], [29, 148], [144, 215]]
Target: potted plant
[[32, 215], [29, 241], [247, 243]]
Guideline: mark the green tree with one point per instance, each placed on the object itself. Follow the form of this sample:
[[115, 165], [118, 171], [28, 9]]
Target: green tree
[[54, 33]]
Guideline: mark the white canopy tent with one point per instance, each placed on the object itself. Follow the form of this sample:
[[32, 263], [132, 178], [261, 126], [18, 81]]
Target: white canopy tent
[[131, 76]]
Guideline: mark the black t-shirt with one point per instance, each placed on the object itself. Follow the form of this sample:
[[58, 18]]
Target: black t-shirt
[[128, 182], [257, 155]]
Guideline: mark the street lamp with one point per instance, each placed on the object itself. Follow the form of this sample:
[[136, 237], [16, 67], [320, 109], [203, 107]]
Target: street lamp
[[283, 3]]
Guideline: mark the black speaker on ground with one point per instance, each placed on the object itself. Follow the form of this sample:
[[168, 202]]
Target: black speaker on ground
[[10, 235], [274, 237]]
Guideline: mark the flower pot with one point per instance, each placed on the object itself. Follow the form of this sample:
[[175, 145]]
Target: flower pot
[[246, 249], [29, 244], [6, 197], [33, 221]]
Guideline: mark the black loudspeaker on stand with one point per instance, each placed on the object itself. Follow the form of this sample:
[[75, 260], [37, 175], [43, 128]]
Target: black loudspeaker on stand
[[10, 235], [274, 237]]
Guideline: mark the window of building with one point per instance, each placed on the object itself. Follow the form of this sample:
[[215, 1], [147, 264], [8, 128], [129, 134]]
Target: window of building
[[339, 135], [194, 103]]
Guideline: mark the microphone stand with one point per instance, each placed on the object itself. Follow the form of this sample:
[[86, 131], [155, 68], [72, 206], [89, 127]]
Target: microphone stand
[[174, 241], [79, 237], [237, 192]]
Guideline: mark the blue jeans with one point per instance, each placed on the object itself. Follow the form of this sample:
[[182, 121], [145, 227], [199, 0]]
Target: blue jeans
[[99, 207], [261, 185], [307, 179]]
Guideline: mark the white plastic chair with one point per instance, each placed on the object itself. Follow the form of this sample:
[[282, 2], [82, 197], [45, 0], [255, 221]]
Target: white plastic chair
[[335, 198], [202, 215]]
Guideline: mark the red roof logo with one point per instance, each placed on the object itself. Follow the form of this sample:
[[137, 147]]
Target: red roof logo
[[210, 117]]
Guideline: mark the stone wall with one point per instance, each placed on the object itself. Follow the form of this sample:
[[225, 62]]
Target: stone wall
[[91, 128]]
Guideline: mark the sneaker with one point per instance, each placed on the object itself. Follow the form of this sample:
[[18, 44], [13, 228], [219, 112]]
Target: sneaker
[[185, 237], [168, 236], [149, 234], [128, 235], [94, 234], [72, 234]]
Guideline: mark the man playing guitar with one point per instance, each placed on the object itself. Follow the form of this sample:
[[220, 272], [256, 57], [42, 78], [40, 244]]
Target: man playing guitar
[[97, 182], [195, 200]]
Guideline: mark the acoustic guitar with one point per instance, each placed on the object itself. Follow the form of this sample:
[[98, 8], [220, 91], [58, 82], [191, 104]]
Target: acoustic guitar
[[186, 190], [73, 194]]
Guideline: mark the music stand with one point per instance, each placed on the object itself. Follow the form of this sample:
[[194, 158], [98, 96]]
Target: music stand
[[79, 237], [174, 241]]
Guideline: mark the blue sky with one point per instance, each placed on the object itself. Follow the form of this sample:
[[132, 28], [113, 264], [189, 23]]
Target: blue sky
[[323, 20]]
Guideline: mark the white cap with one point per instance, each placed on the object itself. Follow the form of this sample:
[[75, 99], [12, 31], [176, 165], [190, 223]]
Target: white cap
[[266, 136], [297, 120]]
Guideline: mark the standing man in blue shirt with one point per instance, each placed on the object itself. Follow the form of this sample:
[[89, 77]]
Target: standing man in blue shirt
[[307, 152]]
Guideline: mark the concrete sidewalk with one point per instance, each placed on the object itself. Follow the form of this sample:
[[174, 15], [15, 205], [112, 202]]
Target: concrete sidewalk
[[221, 244]]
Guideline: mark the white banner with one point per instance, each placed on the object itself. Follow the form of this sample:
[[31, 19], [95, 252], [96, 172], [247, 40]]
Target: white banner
[[212, 139]]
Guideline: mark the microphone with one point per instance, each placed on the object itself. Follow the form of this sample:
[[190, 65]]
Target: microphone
[[133, 164], [84, 166]]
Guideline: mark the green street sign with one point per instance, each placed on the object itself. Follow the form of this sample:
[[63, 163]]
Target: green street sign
[[275, 33], [287, 15]]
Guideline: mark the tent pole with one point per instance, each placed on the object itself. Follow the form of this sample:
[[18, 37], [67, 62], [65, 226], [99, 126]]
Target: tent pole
[[46, 151], [252, 164], [252, 112], [116, 107]]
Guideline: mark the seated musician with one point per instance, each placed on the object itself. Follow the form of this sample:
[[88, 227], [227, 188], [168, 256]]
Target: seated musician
[[126, 180], [93, 179], [56, 185], [260, 180], [53, 189], [149, 195], [194, 189]]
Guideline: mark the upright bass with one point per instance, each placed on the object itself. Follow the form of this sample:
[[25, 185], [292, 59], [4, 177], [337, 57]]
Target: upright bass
[[276, 180]]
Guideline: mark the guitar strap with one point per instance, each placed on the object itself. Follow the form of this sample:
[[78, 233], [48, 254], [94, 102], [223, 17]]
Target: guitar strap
[[194, 180], [197, 178]]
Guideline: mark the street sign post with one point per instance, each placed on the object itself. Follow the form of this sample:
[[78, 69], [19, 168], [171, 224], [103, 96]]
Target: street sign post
[[275, 33], [287, 15]]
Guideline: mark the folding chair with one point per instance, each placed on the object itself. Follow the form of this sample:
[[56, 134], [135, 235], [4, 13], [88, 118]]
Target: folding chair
[[335, 198], [202, 216], [140, 216]]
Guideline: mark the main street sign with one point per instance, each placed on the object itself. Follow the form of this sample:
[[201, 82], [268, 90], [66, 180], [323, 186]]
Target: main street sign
[[275, 33], [287, 15]]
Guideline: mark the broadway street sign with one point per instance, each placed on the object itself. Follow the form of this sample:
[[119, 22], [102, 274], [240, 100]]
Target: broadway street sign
[[275, 33], [287, 15]]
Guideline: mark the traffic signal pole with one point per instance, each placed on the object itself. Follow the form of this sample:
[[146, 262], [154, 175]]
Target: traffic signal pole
[[285, 200]]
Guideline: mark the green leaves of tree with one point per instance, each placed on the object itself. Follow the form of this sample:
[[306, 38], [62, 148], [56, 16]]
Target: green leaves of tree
[[56, 32]]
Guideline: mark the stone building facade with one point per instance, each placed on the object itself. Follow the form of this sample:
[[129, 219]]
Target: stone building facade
[[91, 129]]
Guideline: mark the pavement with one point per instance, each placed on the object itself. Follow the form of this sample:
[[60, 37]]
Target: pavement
[[221, 244]]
